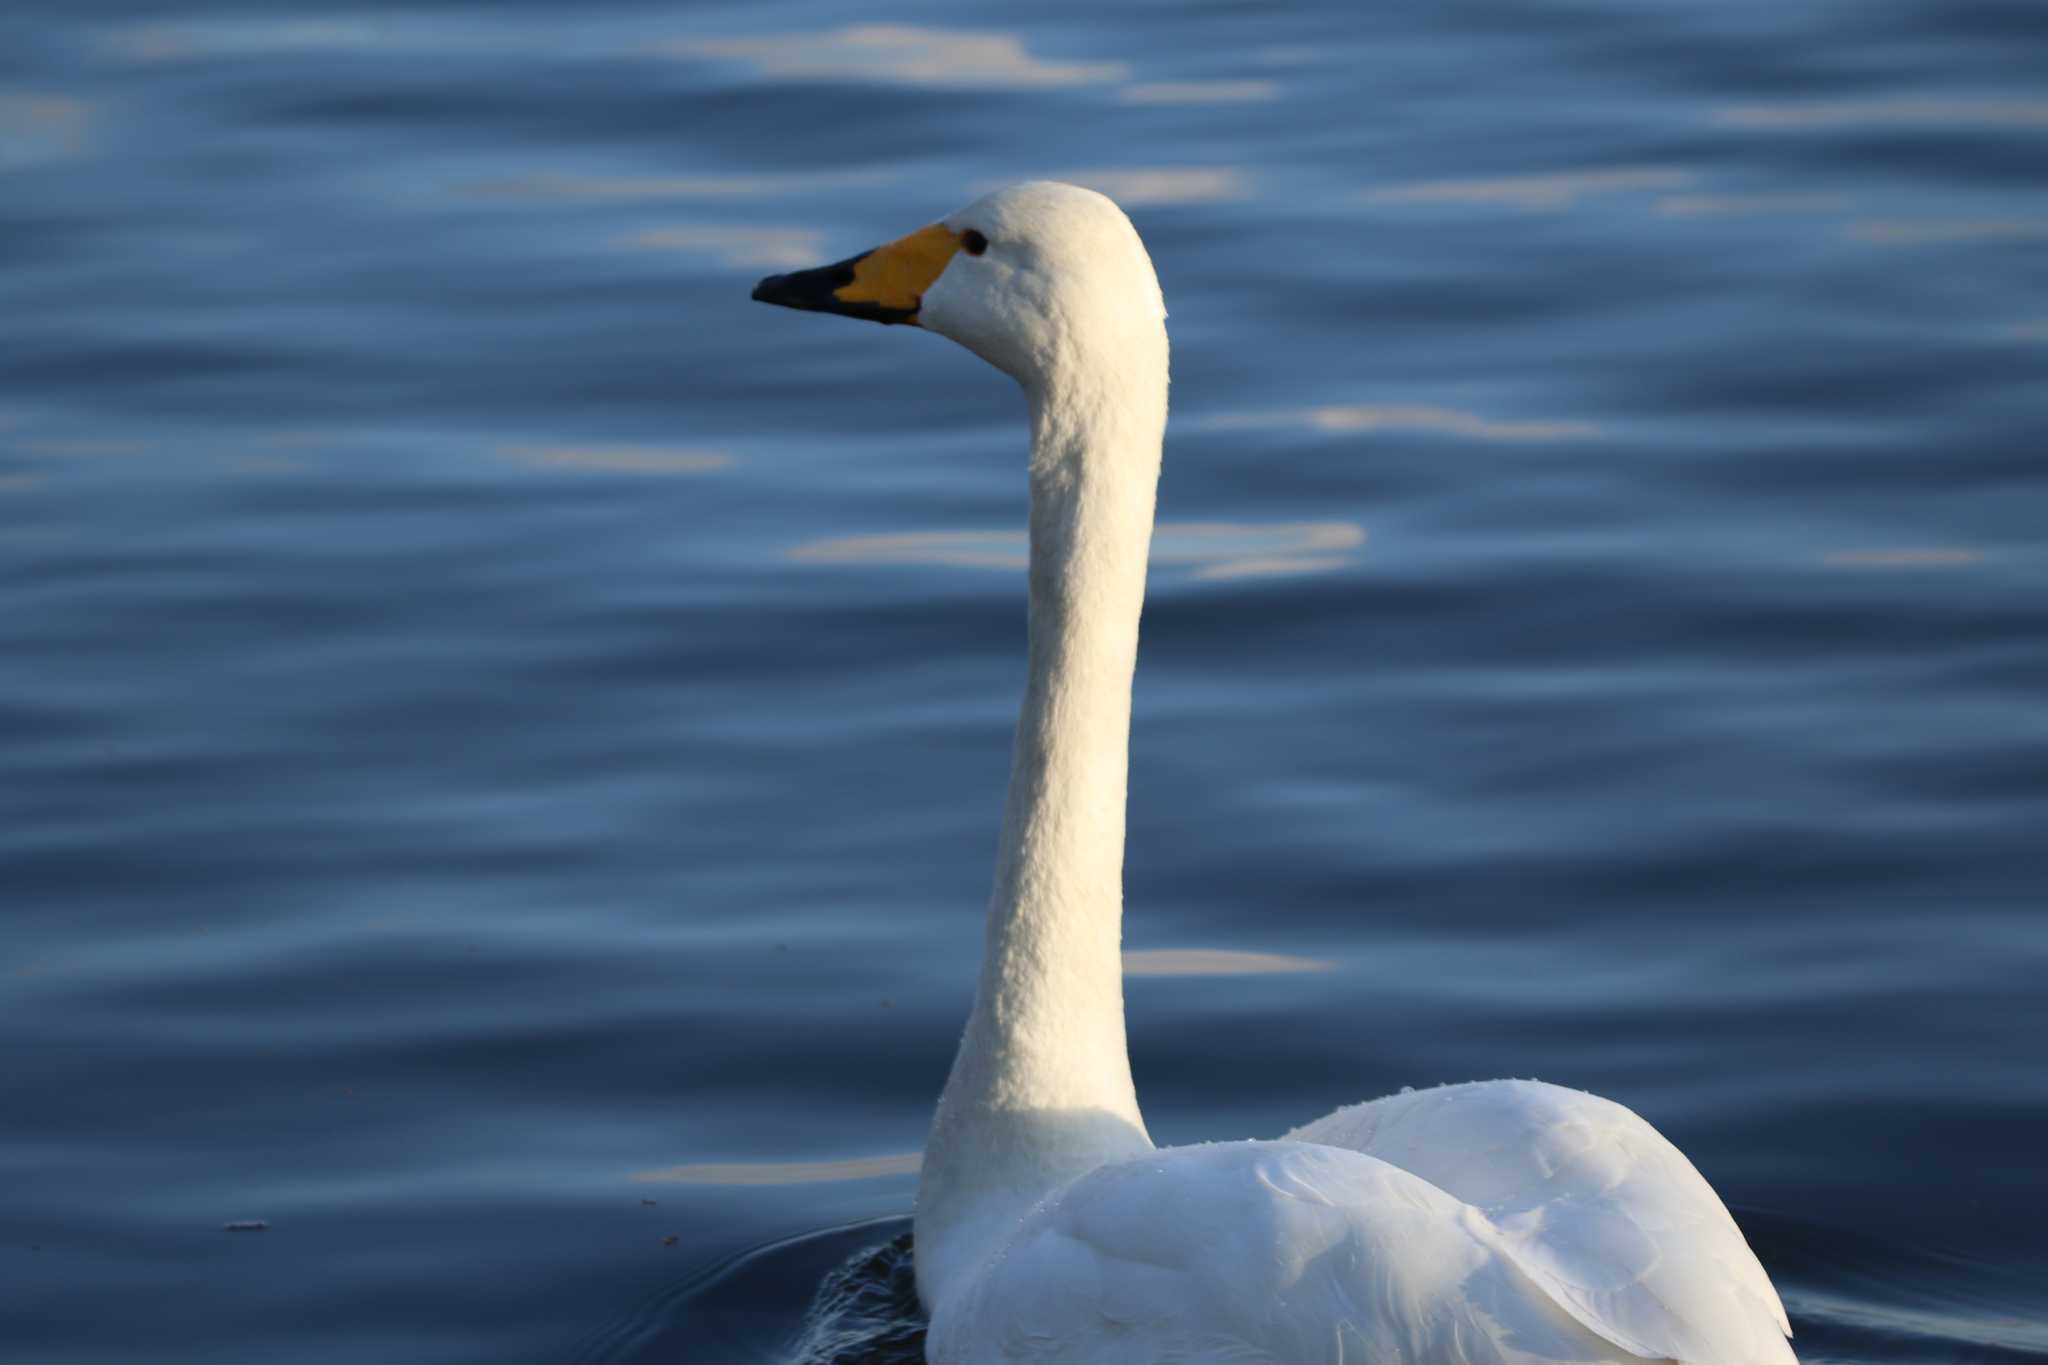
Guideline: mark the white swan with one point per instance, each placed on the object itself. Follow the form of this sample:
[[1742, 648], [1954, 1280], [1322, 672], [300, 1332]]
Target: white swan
[[1501, 1222]]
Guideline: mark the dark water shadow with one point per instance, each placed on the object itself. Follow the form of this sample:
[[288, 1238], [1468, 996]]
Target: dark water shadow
[[845, 1296], [1854, 1296], [848, 1296]]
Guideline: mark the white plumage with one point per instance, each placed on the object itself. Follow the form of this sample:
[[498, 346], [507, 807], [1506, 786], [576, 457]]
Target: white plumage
[[1595, 1206], [1497, 1223]]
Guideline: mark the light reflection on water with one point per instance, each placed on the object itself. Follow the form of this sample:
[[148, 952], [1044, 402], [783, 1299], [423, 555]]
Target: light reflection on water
[[1745, 205], [1215, 550], [82, 447], [1925, 557], [621, 459], [1399, 417], [1199, 92], [1137, 187], [37, 124], [1948, 231], [1215, 962], [656, 188], [767, 247], [1820, 115], [904, 54], [1548, 191], [786, 1172]]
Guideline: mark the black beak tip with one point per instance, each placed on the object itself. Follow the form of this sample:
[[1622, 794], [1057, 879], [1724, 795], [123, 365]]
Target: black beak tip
[[809, 290], [817, 291]]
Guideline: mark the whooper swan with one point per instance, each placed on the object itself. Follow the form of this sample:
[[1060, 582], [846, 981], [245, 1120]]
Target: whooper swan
[[1496, 1223]]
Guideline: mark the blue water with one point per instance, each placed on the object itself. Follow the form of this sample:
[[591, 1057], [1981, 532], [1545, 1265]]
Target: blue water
[[501, 738]]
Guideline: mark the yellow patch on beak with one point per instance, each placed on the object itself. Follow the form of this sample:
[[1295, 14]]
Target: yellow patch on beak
[[884, 285], [895, 276]]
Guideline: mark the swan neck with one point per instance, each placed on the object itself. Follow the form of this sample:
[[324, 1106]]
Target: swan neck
[[1040, 1090], [1051, 984]]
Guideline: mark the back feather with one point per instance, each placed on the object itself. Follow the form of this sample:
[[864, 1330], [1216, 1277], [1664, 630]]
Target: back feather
[[1593, 1204]]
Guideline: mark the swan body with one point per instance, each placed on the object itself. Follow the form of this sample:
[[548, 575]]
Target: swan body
[[1499, 1223], [1259, 1251], [1596, 1207]]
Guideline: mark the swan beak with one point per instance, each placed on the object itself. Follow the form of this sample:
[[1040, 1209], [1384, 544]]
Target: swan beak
[[883, 285]]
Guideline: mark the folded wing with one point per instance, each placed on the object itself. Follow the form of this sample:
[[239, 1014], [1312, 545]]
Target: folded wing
[[1591, 1203], [1256, 1254]]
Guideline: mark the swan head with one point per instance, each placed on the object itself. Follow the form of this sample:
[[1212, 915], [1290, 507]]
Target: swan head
[[1041, 280]]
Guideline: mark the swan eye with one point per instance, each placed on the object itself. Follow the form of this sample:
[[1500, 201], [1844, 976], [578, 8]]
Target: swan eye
[[974, 242]]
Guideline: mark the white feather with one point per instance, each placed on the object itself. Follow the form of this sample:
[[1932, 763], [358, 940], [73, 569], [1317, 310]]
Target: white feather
[[1504, 1223], [1593, 1204], [1256, 1251]]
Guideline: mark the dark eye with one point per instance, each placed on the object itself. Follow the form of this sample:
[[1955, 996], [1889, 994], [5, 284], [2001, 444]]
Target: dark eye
[[974, 242]]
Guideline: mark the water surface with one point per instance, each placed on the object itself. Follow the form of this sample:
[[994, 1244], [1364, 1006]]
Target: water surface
[[502, 738]]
